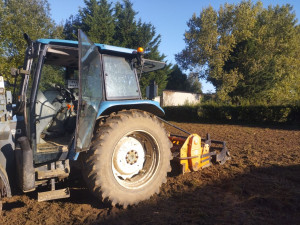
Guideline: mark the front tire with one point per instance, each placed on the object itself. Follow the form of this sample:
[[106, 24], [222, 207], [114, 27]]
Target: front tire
[[129, 158]]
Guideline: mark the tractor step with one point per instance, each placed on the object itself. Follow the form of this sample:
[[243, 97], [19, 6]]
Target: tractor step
[[49, 174], [55, 194], [60, 173]]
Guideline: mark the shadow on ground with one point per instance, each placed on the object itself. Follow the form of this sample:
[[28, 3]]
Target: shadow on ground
[[262, 196]]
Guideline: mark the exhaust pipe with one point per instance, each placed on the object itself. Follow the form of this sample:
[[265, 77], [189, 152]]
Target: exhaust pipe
[[28, 173]]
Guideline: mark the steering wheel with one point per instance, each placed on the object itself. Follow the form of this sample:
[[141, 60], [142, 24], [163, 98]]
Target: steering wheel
[[65, 93]]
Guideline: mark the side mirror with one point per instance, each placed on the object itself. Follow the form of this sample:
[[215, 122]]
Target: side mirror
[[152, 90]]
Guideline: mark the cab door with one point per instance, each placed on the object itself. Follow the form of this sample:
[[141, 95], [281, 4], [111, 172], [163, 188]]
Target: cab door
[[90, 91]]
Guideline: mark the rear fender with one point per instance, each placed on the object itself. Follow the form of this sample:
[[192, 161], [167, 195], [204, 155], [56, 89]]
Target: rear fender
[[107, 107]]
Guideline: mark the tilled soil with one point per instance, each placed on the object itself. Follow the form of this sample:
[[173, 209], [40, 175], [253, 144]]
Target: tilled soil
[[259, 185]]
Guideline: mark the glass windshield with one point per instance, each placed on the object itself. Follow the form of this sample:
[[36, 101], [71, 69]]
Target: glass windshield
[[90, 91], [120, 78]]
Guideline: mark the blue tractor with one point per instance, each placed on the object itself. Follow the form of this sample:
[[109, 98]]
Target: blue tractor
[[91, 110], [79, 100]]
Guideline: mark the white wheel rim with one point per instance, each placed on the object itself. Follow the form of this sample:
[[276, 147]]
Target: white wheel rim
[[141, 164], [129, 158]]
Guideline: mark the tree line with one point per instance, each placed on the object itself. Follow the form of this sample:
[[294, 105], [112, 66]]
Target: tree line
[[251, 54], [248, 52], [104, 22]]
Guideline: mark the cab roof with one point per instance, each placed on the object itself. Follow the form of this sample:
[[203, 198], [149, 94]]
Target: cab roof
[[70, 43], [58, 57]]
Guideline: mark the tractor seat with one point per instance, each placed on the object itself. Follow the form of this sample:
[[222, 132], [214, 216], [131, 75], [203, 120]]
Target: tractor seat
[[45, 112]]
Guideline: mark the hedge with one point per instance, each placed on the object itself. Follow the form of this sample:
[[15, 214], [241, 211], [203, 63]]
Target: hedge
[[214, 112], [182, 113]]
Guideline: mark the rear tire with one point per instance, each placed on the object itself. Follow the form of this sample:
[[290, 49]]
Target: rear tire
[[5, 190], [129, 158]]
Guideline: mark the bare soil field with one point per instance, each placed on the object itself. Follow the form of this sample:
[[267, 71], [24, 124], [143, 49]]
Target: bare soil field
[[259, 185]]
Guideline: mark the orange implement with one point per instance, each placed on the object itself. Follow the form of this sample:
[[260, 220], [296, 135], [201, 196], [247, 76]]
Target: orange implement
[[195, 153]]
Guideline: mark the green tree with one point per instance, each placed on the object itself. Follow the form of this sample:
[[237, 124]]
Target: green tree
[[52, 75], [117, 25], [126, 26], [177, 80], [194, 84], [70, 30], [16, 18], [97, 21], [247, 52]]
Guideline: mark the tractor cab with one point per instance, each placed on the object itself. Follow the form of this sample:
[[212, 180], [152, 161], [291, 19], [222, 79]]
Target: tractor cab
[[65, 87], [64, 84]]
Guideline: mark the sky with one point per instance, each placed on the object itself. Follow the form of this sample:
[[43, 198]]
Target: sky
[[169, 17]]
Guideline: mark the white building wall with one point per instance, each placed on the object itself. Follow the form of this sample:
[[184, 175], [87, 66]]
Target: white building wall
[[157, 99], [176, 98]]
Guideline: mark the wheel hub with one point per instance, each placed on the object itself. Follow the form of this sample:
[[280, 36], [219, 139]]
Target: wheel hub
[[132, 157], [129, 157]]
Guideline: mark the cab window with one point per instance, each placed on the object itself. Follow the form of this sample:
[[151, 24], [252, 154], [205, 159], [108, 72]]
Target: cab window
[[120, 78]]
